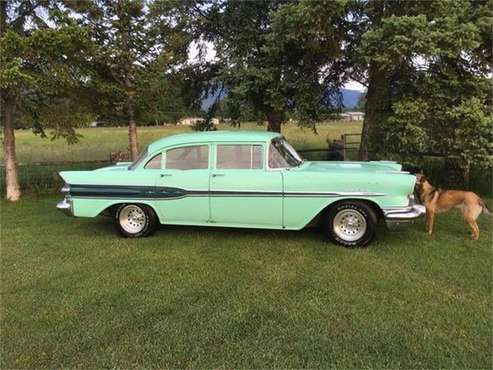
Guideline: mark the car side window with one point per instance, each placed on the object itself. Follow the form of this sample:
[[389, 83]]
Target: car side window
[[188, 158], [239, 156], [154, 163]]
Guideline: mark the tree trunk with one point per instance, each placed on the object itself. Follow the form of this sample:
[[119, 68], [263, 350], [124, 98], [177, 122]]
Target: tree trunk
[[375, 109], [11, 178], [7, 116], [376, 90], [363, 145], [132, 135], [274, 120]]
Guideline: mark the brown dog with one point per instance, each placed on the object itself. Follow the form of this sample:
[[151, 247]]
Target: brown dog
[[437, 200]]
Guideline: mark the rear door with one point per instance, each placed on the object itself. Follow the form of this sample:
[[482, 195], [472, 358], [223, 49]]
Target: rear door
[[243, 192], [183, 185]]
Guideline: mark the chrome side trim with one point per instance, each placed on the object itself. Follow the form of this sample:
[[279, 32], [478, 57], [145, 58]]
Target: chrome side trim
[[336, 193], [65, 206]]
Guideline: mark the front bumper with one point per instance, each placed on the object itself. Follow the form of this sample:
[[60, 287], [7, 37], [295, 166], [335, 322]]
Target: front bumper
[[395, 217], [66, 206]]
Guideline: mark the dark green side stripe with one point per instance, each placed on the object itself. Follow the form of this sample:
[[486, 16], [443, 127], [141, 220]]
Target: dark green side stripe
[[110, 191]]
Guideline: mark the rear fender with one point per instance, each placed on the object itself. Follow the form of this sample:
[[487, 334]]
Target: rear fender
[[92, 207]]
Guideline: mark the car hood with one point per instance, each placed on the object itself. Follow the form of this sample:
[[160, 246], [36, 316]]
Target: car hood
[[365, 167]]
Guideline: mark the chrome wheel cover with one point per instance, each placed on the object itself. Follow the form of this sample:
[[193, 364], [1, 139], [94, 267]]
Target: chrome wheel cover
[[349, 225], [132, 219]]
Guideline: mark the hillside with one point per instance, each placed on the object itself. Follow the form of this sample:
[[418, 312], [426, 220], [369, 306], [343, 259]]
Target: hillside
[[350, 98]]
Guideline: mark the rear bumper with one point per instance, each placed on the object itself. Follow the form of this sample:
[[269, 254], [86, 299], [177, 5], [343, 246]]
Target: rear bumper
[[65, 206], [395, 217]]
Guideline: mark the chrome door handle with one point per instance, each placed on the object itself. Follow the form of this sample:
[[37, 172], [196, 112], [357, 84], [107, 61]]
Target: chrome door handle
[[217, 174], [166, 175]]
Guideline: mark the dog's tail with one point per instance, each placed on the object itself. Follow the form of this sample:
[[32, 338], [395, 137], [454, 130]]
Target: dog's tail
[[486, 210]]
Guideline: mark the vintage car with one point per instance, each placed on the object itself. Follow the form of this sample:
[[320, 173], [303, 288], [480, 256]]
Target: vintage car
[[246, 179]]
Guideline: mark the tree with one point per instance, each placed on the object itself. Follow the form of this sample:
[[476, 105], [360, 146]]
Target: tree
[[135, 43], [279, 56], [372, 65], [41, 70], [428, 88], [167, 97]]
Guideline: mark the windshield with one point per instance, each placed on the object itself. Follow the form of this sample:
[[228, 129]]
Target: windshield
[[139, 160], [282, 154]]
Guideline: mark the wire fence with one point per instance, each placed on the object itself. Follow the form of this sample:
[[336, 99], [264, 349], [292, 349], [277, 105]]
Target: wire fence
[[43, 176]]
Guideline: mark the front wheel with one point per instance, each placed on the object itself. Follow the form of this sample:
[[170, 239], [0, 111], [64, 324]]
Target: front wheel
[[351, 223], [135, 220]]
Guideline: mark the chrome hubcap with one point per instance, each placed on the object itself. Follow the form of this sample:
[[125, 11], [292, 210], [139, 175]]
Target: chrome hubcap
[[349, 225], [132, 219]]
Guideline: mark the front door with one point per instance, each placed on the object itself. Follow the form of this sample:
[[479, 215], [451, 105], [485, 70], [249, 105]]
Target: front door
[[242, 192], [183, 185]]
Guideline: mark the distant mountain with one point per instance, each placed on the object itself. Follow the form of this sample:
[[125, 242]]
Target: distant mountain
[[207, 101], [350, 98]]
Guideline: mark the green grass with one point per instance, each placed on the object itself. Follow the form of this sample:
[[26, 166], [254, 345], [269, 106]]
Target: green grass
[[76, 295], [98, 143]]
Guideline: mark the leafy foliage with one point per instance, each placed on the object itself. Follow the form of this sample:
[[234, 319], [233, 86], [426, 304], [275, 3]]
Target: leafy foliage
[[136, 44], [428, 74], [42, 74]]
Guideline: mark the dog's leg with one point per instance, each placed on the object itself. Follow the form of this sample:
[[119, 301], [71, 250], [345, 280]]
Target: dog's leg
[[477, 230], [471, 214], [429, 221], [474, 227], [475, 235]]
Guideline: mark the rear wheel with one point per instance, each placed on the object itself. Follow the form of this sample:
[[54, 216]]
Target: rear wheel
[[350, 223], [135, 220]]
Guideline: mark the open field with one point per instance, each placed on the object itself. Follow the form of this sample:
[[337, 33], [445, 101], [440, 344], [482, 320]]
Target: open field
[[98, 143], [76, 295]]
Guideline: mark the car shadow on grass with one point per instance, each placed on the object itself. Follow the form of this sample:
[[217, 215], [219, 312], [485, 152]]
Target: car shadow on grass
[[104, 227]]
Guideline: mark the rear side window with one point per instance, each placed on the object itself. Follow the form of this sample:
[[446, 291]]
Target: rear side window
[[188, 158], [154, 163], [239, 156]]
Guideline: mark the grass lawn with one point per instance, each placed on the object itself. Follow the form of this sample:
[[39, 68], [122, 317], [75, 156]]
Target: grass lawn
[[76, 295], [98, 143]]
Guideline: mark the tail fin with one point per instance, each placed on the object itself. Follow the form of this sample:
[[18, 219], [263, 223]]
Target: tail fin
[[486, 210]]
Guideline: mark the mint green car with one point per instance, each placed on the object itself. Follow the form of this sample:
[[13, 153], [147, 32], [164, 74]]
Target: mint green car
[[242, 179]]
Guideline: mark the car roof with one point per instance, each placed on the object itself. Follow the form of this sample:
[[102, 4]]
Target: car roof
[[213, 136]]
